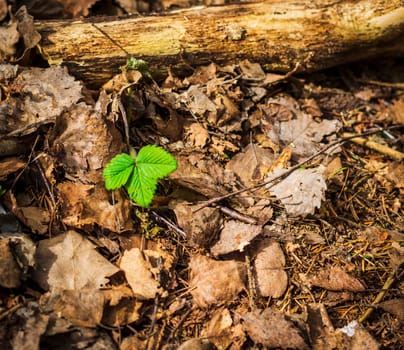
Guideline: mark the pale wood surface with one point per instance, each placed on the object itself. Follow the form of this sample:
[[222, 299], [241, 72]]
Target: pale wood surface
[[277, 33]]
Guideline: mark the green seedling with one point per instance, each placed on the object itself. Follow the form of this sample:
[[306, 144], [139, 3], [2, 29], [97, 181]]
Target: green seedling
[[139, 173], [2, 190]]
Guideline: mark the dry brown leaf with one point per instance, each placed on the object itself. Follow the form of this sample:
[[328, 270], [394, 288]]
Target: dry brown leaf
[[70, 262], [300, 192], [395, 174], [10, 271], [82, 307], [138, 274], [269, 264], [83, 143], [3, 9], [234, 236], [251, 71], [221, 331], [355, 337], [123, 312], [215, 282], [9, 166], [302, 131], [394, 306], [197, 102], [321, 330], [200, 174], [88, 205], [251, 164], [201, 75], [27, 29], [272, 329], [16, 258], [42, 95], [201, 226], [335, 278], [9, 37], [397, 110], [198, 136], [30, 325], [37, 219]]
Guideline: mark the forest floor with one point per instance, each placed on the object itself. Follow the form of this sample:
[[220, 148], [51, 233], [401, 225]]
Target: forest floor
[[279, 229]]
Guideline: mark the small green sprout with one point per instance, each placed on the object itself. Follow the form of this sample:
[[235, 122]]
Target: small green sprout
[[2, 190], [139, 173], [138, 64]]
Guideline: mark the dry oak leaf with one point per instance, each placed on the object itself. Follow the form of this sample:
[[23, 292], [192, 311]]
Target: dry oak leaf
[[215, 282], [300, 192], [272, 329], [335, 278]]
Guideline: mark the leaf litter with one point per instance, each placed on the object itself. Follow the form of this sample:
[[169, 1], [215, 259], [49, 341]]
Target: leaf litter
[[293, 263]]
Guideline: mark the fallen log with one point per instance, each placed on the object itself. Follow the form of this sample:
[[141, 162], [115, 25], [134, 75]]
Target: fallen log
[[279, 34]]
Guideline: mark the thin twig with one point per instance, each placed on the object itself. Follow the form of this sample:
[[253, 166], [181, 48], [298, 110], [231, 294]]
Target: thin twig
[[169, 224], [293, 168], [236, 215], [389, 282]]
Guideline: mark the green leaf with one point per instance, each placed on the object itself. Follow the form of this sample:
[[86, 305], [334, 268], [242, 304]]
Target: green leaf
[[118, 171], [141, 188], [139, 175], [155, 162]]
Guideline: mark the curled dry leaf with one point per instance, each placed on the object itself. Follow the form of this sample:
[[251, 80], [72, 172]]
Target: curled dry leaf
[[215, 282], [138, 274], [16, 257], [252, 164], [234, 236], [269, 264], [335, 278], [200, 174], [201, 226], [198, 136], [272, 329], [222, 332], [88, 205]]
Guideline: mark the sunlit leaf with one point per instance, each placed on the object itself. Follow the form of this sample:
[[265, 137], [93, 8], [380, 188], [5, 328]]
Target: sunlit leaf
[[155, 162], [141, 188], [139, 175], [118, 171]]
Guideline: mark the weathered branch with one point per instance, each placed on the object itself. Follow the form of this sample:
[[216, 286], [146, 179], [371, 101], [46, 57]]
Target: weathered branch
[[278, 34]]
